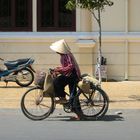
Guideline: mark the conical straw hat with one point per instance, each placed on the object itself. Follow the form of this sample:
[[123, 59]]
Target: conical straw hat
[[60, 47]]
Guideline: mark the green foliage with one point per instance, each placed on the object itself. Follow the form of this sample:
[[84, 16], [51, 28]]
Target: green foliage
[[88, 4]]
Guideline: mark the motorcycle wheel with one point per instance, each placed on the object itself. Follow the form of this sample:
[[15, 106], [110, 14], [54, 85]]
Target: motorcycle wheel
[[24, 78]]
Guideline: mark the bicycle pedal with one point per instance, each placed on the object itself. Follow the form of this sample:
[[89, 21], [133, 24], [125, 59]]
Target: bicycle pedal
[[67, 108]]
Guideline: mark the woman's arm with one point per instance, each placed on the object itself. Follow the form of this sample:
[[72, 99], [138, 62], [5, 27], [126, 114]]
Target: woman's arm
[[67, 65]]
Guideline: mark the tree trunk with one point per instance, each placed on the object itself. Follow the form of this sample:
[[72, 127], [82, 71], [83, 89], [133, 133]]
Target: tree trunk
[[99, 46]]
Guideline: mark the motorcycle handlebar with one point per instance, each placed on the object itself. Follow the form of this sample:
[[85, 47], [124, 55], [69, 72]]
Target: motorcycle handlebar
[[31, 60]]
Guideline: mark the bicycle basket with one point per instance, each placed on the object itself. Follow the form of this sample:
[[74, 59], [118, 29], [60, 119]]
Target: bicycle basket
[[40, 78]]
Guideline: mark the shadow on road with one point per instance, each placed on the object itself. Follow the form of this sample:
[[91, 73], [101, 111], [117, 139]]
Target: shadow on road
[[69, 118], [112, 118]]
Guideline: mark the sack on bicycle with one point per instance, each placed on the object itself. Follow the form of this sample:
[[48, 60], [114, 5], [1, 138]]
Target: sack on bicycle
[[40, 78], [44, 81], [86, 83], [48, 85]]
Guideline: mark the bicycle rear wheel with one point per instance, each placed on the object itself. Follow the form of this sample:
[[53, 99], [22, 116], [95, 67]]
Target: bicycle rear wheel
[[35, 106], [93, 105]]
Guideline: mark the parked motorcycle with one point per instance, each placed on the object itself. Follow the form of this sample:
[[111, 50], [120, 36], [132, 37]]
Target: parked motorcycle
[[19, 71]]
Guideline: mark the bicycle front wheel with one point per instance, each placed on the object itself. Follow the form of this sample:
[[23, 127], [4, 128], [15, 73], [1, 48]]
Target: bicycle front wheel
[[93, 105], [35, 106]]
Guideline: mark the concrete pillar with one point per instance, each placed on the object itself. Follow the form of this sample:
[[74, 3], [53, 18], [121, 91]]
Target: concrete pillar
[[83, 20], [34, 15], [126, 42]]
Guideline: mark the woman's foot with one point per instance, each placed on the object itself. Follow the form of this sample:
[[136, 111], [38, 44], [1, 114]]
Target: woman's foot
[[75, 118]]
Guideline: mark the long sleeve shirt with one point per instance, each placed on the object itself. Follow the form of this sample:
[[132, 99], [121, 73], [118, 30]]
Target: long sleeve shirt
[[68, 63]]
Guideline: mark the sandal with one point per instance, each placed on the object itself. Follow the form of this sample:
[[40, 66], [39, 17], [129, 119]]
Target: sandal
[[75, 118]]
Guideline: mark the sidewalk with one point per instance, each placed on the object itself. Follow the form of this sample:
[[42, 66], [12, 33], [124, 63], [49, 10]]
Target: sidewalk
[[122, 95]]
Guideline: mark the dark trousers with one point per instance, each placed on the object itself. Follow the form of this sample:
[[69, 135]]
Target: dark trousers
[[59, 84], [61, 81]]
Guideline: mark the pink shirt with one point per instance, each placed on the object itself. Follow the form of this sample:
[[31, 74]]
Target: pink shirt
[[68, 63]]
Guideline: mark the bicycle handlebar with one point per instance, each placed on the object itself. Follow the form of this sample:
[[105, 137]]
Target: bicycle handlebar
[[2, 59], [50, 70]]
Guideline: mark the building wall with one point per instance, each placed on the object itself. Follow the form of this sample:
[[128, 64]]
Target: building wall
[[121, 41], [36, 45]]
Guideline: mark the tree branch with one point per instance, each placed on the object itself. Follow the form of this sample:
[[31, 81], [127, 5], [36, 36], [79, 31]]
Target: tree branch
[[94, 16]]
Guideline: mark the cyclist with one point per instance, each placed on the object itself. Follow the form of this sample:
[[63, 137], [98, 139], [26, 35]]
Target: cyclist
[[69, 72]]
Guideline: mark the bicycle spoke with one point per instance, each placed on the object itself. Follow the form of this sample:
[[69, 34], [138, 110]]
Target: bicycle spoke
[[35, 106], [93, 104], [44, 105]]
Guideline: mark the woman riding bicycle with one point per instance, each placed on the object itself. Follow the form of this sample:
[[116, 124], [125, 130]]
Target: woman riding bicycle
[[69, 72], [87, 99]]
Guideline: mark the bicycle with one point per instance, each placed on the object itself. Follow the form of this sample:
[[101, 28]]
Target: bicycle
[[90, 104]]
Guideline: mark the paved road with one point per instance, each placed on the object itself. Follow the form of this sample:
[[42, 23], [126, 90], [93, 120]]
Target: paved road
[[15, 126], [125, 97]]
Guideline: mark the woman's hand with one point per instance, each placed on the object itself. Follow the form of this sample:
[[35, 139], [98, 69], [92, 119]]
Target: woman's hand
[[55, 73]]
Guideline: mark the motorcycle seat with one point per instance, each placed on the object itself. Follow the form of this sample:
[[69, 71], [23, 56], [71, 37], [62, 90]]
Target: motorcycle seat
[[15, 63]]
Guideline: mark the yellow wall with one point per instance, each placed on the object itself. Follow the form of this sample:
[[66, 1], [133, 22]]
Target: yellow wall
[[24, 45], [113, 18], [121, 41], [121, 38], [134, 20]]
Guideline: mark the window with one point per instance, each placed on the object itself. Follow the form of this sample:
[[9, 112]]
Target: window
[[53, 16], [15, 15]]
